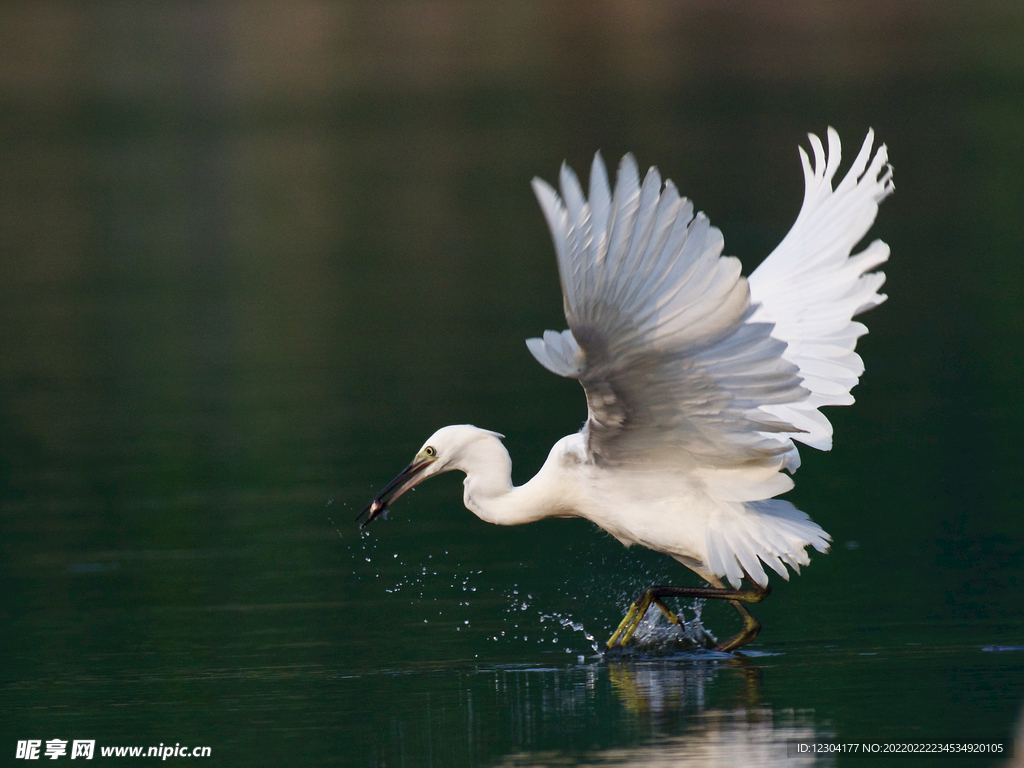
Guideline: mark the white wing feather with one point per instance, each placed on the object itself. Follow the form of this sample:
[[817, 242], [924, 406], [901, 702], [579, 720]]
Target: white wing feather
[[810, 287]]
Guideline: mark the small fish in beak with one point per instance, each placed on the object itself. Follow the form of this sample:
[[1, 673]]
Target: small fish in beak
[[376, 508]]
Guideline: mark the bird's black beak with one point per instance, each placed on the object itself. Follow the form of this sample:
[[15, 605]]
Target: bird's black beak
[[405, 480]]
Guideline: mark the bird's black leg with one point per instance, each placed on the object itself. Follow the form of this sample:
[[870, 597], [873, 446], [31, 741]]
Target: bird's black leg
[[653, 595]]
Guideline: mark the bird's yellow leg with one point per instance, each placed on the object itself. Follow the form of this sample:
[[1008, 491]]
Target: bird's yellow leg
[[668, 613], [632, 620], [635, 615], [751, 627]]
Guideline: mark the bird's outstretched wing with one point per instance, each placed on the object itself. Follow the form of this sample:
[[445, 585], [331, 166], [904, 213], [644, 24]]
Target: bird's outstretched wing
[[679, 364], [810, 287]]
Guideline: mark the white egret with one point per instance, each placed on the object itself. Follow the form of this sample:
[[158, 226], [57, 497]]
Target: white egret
[[697, 379]]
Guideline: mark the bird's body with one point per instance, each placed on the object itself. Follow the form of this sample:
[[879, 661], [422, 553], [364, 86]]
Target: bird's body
[[676, 514], [698, 380]]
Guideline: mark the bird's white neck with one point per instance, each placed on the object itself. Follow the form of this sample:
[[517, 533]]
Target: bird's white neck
[[489, 492]]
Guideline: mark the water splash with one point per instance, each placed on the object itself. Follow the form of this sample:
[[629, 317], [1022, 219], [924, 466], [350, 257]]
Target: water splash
[[426, 582], [567, 622], [657, 633]]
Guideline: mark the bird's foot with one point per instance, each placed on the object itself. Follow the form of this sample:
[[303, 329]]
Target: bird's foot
[[635, 615], [736, 597]]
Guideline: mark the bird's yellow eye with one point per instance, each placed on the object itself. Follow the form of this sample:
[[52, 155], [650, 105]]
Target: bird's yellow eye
[[430, 451]]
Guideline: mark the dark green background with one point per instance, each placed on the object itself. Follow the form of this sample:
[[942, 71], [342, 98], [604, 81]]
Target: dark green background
[[252, 255]]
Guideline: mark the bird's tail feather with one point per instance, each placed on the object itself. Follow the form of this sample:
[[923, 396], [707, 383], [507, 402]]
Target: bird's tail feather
[[772, 532]]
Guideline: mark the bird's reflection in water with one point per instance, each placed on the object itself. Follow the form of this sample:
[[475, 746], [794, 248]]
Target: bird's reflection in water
[[670, 701], [674, 686]]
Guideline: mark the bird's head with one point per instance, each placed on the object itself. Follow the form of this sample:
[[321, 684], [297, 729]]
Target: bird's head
[[447, 449]]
